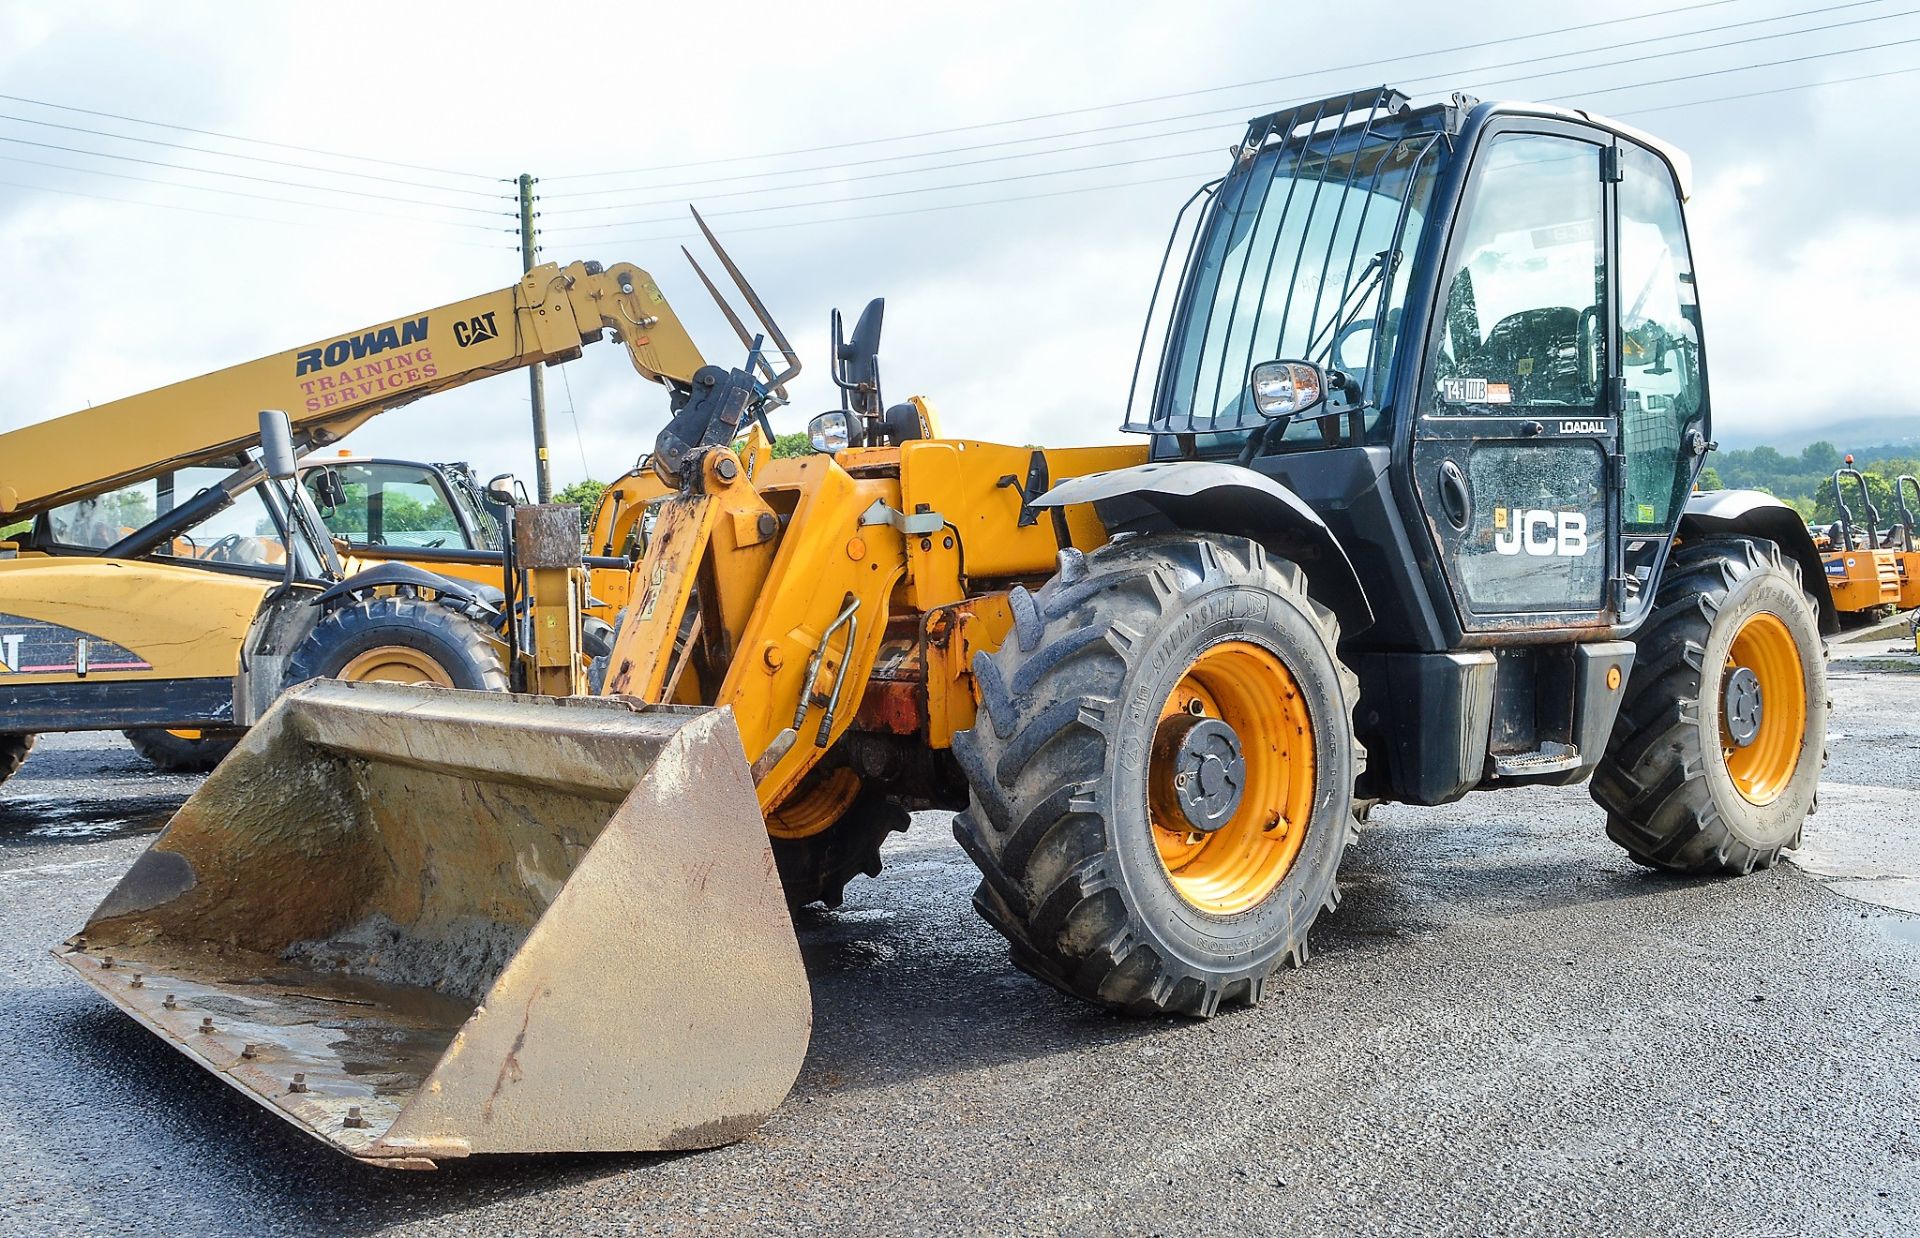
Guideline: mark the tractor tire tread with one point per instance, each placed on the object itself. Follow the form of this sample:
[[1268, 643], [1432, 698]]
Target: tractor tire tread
[[1034, 826], [1652, 778]]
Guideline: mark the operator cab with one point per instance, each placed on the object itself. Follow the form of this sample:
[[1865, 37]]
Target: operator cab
[[1466, 335]]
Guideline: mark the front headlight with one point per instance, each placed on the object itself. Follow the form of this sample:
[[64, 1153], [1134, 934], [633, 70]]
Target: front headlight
[[1284, 387], [831, 432]]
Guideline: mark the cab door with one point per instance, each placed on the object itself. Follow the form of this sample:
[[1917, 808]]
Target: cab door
[[1516, 428]]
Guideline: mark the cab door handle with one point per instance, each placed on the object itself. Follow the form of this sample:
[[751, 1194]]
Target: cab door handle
[[1455, 499]]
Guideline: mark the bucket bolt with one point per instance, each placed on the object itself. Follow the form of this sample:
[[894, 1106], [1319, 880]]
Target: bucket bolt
[[106, 963], [353, 1118], [169, 1003], [249, 1051], [137, 981], [206, 1025], [299, 1083]]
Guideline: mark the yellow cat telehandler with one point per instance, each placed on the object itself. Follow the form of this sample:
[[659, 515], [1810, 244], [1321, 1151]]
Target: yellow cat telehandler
[[1423, 394], [154, 534]]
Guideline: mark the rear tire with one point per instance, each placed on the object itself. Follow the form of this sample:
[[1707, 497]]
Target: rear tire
[[1682, 793], [817, 867], [1100, 890], [13, 754], [177, 754], [400, 640]]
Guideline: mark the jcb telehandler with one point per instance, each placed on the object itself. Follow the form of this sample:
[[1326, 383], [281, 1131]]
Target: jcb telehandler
[[1423, 395], [156, 537]]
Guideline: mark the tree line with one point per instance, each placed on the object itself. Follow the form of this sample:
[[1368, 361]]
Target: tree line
[[1805, 480]]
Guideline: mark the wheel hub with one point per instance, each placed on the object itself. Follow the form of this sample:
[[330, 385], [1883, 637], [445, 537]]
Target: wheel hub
[[1202, 771], [1744, 707]]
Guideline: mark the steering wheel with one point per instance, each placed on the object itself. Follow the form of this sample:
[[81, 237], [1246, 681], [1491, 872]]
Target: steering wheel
[[1340, 339], [222, 551]]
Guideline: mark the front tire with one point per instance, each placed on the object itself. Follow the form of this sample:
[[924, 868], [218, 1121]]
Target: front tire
[[1715, 758], [180, 754], [1162, 773], [399, 640], [13, 754]]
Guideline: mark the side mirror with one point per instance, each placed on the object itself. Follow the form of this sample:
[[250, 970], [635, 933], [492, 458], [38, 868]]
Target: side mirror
[[834, 432], [328, 489], [276, 445], [1287, 388], [502, 490]]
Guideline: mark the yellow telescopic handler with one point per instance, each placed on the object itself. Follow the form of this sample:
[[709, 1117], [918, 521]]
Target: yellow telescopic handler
[[1420, 405]]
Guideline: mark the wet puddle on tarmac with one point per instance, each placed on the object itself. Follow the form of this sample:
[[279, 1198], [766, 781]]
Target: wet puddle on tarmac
[[60, 819], [1903, 929]]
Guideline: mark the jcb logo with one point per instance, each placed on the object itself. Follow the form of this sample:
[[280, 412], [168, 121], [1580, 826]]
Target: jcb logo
[[1539, 532]]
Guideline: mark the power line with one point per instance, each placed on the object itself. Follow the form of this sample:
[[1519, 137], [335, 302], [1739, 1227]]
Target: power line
[[1136, 184], [1711, 47], [1001, 180], [1771, 64], [1778, 90], [234, 137], [1854, 4], [264, 180], [1239, 110], [1081, 111], [586, 469], [898, 193], [221, 154], [241, 193], [195, 210]]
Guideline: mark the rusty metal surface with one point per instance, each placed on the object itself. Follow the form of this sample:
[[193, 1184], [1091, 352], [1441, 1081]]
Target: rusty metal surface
[[421, 924], [547, 535]]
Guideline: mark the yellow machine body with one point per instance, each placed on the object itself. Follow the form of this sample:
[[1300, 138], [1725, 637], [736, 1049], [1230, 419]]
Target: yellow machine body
[[1864, 580]]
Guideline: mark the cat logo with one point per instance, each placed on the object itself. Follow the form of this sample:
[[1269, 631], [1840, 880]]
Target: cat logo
[[1539, 532], [10, 643], [470, 331]]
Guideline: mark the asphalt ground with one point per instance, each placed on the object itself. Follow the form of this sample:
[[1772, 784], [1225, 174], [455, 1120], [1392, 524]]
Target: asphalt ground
[[1506, 1028]]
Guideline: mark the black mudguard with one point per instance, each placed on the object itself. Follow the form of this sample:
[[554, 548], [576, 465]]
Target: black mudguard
[[1209, 497], [1752, 513]]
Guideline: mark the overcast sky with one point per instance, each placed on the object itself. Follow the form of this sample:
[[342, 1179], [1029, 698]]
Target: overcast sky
[[1019, 319]]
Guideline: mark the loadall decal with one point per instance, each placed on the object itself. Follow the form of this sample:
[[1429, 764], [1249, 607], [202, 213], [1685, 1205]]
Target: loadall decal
[[36, 647]]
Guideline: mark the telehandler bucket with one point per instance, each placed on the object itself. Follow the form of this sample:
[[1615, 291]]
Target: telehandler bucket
[[421, 923]]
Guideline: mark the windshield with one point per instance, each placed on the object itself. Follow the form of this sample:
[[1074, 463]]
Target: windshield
[[387, 503], [468, 497], [248, 533], [1302, 256]]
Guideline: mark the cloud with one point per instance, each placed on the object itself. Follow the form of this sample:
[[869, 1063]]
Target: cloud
[[1019, 319]]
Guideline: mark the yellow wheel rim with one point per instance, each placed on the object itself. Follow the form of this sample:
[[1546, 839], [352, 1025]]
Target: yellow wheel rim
[[1762, 767], [180, 733], [395, 664], [1236, 866], [817, 804]]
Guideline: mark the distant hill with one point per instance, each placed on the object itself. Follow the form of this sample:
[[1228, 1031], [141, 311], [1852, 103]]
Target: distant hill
[[1888, 433]]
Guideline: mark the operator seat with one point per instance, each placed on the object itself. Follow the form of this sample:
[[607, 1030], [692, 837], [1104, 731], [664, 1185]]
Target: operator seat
[[1538, 351]]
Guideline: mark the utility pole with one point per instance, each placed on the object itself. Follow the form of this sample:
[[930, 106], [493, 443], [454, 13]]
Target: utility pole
[[543, 472]]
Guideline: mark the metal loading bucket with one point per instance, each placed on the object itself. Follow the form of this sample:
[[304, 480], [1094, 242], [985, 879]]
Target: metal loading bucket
[[421, 923]]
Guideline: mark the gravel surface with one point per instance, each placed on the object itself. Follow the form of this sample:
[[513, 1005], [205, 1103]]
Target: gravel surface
[[1507, 1028]]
